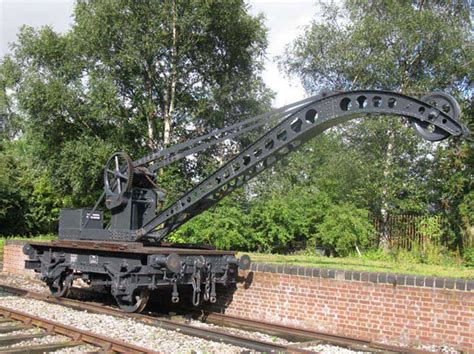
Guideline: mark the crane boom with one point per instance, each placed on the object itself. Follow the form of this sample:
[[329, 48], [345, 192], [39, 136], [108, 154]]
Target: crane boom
[[130, 188], [164, 157], [305, 122]]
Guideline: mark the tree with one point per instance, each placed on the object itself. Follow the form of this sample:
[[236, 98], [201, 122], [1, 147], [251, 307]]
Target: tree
[[132, 76], [453, 185], [405, 46], [345, 228]]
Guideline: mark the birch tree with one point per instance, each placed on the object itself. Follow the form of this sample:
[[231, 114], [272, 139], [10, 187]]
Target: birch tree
[[408, 46]]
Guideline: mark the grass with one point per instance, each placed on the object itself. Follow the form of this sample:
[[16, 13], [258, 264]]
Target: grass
[[36, 238], [346, 263], [361, 264]]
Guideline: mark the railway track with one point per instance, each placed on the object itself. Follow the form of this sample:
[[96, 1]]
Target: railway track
[[305, 339], [14, 321], [204, 333]]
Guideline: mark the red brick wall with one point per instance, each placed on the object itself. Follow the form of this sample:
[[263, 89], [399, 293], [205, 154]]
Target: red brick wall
[[14, 259], [387, 308], [407, 315]]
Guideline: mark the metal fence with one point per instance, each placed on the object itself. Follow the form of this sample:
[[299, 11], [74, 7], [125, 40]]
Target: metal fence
[[409, 231]]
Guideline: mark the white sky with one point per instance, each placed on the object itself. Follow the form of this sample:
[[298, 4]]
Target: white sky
[[284, 18]]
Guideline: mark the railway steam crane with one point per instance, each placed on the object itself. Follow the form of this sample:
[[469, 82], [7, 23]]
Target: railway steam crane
[[129, 256]]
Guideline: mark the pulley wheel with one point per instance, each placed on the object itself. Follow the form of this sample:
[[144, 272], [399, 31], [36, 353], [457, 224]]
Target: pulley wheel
[[138, 301], [118, 174], [444, 103]]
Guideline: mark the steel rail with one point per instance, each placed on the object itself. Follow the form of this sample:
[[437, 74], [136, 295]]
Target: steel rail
[[305, 337], [77, 335], [208, 334], [301, 334]]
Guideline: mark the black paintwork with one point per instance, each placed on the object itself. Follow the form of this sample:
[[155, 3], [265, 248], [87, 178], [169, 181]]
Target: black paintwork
[[131, 194]]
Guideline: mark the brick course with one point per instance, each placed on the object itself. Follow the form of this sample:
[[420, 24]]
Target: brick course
[[14, 259], [377, 307], [399, 309]]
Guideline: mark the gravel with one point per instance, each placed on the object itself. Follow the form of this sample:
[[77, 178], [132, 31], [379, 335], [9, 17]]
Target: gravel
[[37, 341], [23, 282], [438, 349], [38, 286], [152, 337], [86, 348], [330, 349], [239, 332], [127, 330], [7, 324]]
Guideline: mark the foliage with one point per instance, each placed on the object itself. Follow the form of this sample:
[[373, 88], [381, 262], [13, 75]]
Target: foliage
[[406, 46], [389, 265], [377, 254], [469, 257], [29, 203], [430, 254], [128, 76], [276, 222], [223, 227], [345, 228], [11, 212], [430, 229]]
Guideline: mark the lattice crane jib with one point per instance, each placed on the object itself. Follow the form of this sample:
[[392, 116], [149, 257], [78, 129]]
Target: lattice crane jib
[[130, 188]]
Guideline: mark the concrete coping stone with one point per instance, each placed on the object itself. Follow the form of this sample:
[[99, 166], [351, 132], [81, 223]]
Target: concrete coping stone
[[352, 275], [370, 277]]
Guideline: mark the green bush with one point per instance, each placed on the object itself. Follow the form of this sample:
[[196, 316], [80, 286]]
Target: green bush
[[468, 257], [431, 254], [222, 227], [345, 228], [430, 228], [412, 256], [466, 215]]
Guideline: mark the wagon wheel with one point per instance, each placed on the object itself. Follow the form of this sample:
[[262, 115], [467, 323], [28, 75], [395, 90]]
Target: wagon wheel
[[118, 174], [137, 304], [61, 287], [445, 103]]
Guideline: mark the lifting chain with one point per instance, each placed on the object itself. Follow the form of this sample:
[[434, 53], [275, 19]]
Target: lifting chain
[[210, 287], [175, 294], [196, 277], [196, 283]]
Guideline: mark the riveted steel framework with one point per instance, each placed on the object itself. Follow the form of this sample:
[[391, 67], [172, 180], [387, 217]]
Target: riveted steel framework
[[301, 122]]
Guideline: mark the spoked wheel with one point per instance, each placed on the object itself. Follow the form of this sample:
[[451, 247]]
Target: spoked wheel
[[62, 286], [137, 304], [445, 103], [118, 178], [118, 173]]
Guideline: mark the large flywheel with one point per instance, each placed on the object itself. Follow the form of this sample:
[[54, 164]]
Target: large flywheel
[[118, 179]]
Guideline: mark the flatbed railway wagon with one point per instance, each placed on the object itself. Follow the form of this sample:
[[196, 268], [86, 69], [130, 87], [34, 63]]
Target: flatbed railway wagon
[[130, 257]]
